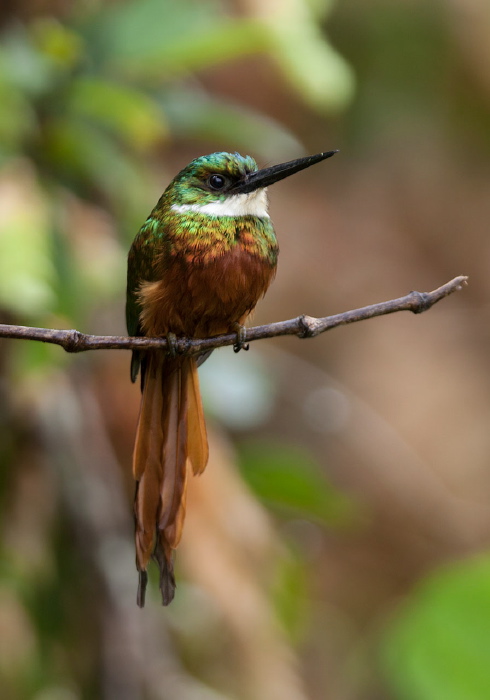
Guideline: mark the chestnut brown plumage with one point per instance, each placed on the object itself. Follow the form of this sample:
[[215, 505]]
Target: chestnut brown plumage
[[204, 257]]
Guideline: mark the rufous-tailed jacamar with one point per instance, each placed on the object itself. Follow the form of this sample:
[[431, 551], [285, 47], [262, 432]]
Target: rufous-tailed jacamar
[[201, 261]]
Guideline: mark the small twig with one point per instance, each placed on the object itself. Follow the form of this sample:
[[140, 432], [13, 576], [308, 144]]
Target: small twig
[[302, 326]]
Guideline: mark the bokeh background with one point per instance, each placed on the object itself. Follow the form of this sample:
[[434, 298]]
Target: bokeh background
[[336, 547]]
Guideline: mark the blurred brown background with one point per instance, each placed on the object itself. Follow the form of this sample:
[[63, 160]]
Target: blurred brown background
[[335, 547]]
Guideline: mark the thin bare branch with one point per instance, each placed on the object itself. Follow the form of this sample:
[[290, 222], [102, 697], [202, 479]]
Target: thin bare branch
[[302, 326]]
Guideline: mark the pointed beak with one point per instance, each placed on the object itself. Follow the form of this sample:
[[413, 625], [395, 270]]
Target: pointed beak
[[267, 176]]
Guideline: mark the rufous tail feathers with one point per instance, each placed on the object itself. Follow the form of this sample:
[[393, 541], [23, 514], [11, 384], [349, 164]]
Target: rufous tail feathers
[[171, 431]]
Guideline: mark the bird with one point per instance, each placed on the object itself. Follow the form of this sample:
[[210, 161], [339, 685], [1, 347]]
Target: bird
[[196, 269]]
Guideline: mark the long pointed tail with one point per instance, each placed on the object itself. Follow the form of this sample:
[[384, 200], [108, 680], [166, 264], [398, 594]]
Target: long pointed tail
[[171, 430]]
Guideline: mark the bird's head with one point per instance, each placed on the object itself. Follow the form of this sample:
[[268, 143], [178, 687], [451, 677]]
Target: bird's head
[[229, 184]]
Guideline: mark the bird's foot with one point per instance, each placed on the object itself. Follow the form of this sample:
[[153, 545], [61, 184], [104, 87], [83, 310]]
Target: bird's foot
[[241, 335], [172, 348]]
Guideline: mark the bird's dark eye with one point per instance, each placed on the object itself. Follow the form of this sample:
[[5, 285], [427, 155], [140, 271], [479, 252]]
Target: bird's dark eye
[[217, 182]]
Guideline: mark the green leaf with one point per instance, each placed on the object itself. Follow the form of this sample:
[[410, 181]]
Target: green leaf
[[136, 31], [17, 120], [127, 112], [24, 66], [224, 41], [286, 477], [313, 67], [290, 595], [192, 114], [83, 156], [26, 272], [161, 38], [62, 46], [438, 648], [317, 72]]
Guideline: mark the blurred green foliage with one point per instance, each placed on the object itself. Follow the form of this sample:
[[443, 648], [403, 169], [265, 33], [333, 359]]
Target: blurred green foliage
[[438, 646], [89, 100], [90, 97], [291, 595], [286, 478], [292, 485], [313, 67]]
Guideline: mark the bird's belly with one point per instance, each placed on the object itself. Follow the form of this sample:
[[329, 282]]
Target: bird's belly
[[202, 300]]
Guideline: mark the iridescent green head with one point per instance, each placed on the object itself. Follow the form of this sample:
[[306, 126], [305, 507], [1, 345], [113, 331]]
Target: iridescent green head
[[209, 178], [229, 184]]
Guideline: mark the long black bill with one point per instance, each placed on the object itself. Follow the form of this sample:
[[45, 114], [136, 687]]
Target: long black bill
[[267, 176]]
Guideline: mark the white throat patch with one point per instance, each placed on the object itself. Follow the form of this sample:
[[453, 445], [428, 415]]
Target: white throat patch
[[251, 204]]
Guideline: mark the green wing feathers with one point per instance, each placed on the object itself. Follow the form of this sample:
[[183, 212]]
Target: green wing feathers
[[142, 255]]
